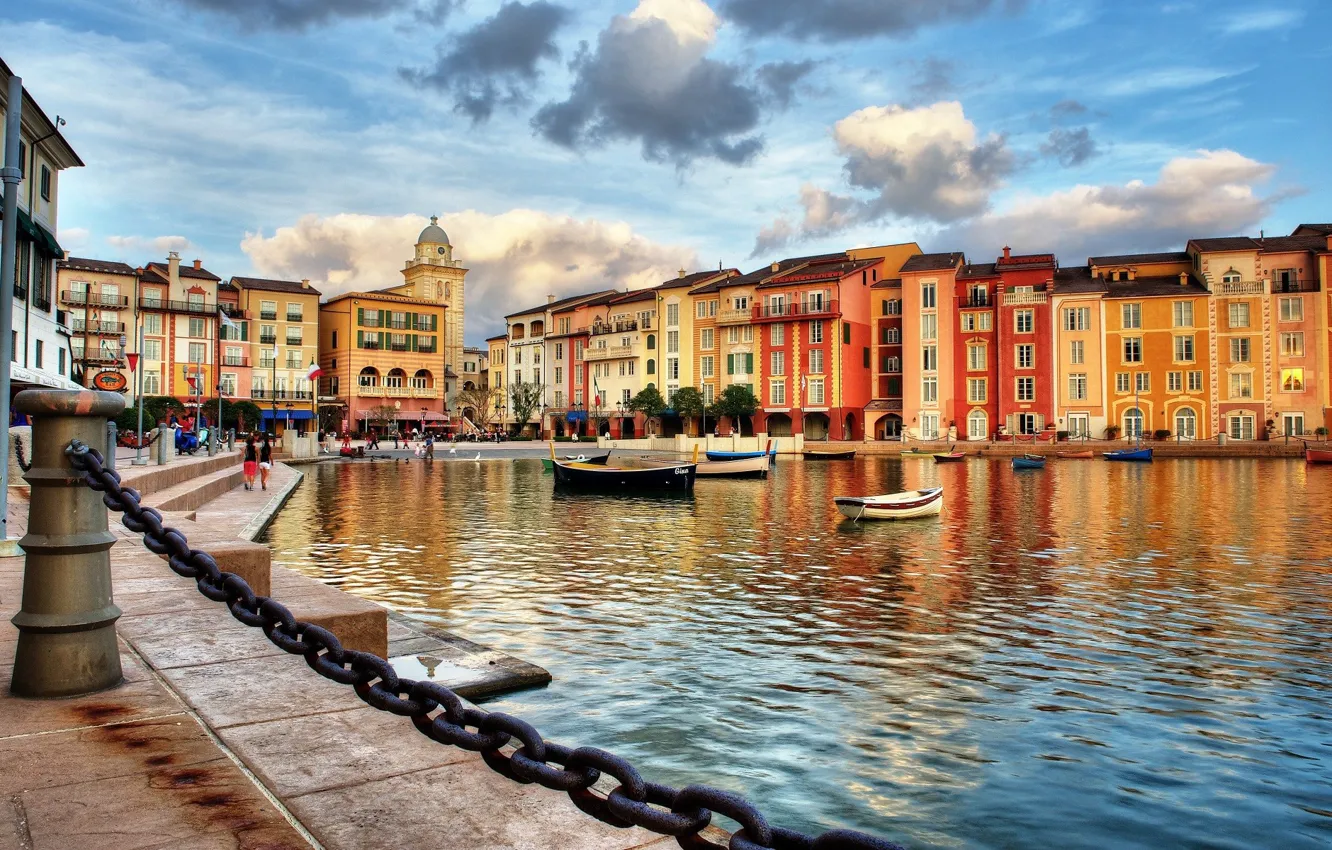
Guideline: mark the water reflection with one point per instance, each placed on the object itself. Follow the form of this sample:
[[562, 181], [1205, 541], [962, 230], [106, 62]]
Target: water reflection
[[1093, 654]]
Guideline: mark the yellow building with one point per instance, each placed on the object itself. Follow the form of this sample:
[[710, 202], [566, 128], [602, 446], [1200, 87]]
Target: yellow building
[[1077, 309], [177, 307], [280, 340]]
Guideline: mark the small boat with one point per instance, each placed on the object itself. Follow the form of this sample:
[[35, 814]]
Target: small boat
[[745, 467], [547, 463], [949, 456], [826, 454], [771, 452], [1082, 455], [908, 505], [1029, 462], [1139, 455], [595, 478], [1317, 455], [917, 453]]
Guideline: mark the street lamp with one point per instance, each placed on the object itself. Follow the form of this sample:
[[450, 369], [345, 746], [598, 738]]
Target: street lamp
[[423, 415], [272, 388], [287, 427], [139, 459]]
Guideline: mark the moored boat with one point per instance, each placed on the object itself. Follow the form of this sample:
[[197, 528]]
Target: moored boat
[[591, 477], [917, 453], [949, 456], [745, 467], [1312, 455], [1029, 462], [1139, 455], [1082, 455], [548, 463], [718, 455], [908, 505], [828, 454]]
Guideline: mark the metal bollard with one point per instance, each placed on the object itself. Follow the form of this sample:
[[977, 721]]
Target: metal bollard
[[212, 442], [231, 439], [110, 452], [67, 621], [165, 444]]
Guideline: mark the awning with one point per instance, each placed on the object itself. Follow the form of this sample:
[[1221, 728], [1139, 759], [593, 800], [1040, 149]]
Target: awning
[[36, 377], [40, 235], [283, 415]]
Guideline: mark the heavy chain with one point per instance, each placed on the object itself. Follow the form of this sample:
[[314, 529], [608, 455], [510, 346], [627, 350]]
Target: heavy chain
[[18, 454], [441, 715]]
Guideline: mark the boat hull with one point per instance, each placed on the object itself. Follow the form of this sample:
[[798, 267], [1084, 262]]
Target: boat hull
[[1087, 455], [595, 478], [718, 455], [1029, 463], [950, 457], [912, 504], [847, 454], [1131, 455], [745, 467], [1318, 456]]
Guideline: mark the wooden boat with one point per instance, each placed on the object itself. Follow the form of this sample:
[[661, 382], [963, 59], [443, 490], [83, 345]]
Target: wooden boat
[[598, 478], [1082, 455], [826, 454], [908, 505], [771, 452], [745, 467], [548, 463], [949, 456], [917, 453], [1029, 462], [1139, 455], [1312, 455]]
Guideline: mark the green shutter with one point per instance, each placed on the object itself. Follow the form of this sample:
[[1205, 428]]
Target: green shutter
[[245, 331], [360, 339], [412, 343], [846, 334], [749, 364], [360, 315], [730, 364]]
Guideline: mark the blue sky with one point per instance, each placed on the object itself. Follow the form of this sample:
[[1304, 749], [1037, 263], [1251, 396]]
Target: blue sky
[[572, 147]]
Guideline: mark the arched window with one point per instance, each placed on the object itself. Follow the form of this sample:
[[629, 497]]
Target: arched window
[[978, 425], [1186, 423], [1231, 276], [369, 377], [395, 378], [1133, 423], [423, 380], [652, 367], [652, 342]]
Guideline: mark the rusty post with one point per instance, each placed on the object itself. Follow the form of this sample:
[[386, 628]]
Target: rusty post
[[67, 621]]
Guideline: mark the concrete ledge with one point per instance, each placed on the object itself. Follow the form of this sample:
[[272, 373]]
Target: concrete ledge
[[250, 561], [420, 651], [263, 518], [198, 492], [154, 479]]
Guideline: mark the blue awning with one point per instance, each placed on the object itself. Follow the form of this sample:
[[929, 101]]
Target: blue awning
[[576, 416], [283, 415]]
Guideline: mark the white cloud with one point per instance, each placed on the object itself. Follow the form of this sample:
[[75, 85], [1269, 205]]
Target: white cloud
[[690, 20], [155, 246], [516, 258], [1209, 193], [1260, 20], [74, 239]]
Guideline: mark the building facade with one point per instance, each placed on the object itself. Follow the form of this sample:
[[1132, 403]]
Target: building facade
[[929, 289], [1025, 385], [97, 296], [178, 317], [276, 340]]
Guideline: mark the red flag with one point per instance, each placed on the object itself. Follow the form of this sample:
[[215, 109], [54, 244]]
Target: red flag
[[133, 361]]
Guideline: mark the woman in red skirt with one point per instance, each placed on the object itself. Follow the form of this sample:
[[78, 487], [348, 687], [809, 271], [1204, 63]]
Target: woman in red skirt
[[251, 465]]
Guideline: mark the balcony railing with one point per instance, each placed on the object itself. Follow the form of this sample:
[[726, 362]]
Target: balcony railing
[[268, 315], [1241, 287], [609, 353], [371, 322], [370, 391], [426, 349], [398, 392], [296, 317], [80, 326], [233, 311], [599, 328], [734, 317], [1017, 299], [41, 301], [802, 310], [296, 341], [267, 339], [259, 392], [95, 299], [425, 392], [237, 361], [967, 301], [197, 307], [1283, 286], [96, 356]]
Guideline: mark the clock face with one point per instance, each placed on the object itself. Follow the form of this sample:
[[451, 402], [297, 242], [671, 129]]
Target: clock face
[[440, 249]]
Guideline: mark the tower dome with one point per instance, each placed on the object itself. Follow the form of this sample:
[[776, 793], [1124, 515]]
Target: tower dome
[[434, 233]]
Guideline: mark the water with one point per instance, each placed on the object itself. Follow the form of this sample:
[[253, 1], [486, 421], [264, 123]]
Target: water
[[1091, 655]]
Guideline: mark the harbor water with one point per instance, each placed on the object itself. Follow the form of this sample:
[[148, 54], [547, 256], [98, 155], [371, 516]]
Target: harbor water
[[1090, 655]]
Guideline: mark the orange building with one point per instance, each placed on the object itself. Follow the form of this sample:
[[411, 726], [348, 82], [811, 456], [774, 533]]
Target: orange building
[[929, 289]]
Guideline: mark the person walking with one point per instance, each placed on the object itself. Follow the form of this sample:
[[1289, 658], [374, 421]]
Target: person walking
[[429, 447], [251, 462], [395, 438], [265, 462], [372, 442]]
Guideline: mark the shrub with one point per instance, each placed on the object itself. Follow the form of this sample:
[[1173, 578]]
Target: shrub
[[1111, 432], [1162, 434], [1061, 436]]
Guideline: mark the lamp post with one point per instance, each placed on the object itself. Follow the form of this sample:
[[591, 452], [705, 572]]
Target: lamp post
[[287, 427], [423, 415], [139, 459], [272, 388]]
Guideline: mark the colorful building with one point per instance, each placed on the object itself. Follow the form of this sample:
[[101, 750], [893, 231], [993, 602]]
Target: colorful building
[[883, 415], [275, 338], [1025, 385], [976, 352], [1078, 314], [929, 408], [177, 306], [96, 295]]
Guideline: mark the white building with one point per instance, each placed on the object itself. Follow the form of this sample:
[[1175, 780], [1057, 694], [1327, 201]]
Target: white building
[[42, 353]]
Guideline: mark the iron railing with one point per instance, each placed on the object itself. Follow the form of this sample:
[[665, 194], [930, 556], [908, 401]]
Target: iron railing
[[95, 299]]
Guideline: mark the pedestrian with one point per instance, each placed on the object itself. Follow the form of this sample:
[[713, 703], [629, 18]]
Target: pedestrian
[[265, 461], [251, 462], [429, 447], [395, 438], [374, 441], [323, 448], [346, 443]]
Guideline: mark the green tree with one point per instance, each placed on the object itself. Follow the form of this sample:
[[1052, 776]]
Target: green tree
[[735, 401], [649, 403], [688, 402], [483, 402], [384, 415], [330, 417], [524, 399]]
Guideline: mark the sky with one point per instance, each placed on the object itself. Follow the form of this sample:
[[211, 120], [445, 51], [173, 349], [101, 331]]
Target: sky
[[570, 147]]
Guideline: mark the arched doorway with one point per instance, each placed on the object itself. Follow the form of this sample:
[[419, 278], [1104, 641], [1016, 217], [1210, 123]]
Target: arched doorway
[[556, 427], [671, 424], [889, 427], [1133, 423], [849, 427], [396, 379], [626, 428], [978, 425], [816, 426], [1186, 424], [604, 428], [779, 425]]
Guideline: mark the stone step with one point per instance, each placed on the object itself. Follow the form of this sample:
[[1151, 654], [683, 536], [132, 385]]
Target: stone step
[[195, 492], [153, 479]]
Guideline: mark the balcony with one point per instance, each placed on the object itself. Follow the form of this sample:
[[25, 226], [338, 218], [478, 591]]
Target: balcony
[[599, 328], [807, 310], [268, 315], [96, 356], [196, 307], [426, 349], [1021, 299], [295, 341], [609, 353], [425, 392], [114, 328], [242, 362], [93, 299], [966, 302], [1280, 287], [267, 339], [398, 392], [1240, 287], [399, 324], [296, 317], [370, 391], [734, 317], [259, 392], [234, 311]]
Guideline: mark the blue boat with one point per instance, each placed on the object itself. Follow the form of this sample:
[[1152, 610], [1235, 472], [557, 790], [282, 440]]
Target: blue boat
[[771, 452], [1029, 462], [1139, 455]]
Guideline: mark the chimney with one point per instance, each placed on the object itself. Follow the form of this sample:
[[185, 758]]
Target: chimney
[[683, 273], [198, 264], [173, 268], [1095, 271], [776, 266], [305, 283], [550, 299], [1183, 278], [1008, 252]]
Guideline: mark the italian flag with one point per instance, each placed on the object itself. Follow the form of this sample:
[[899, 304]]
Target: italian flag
[[314, 371]]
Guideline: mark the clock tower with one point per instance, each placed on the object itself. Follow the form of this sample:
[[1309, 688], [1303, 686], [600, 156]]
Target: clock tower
[[433, 275]]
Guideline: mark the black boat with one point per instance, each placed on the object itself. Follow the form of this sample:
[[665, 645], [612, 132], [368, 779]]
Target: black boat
[[589, 477]]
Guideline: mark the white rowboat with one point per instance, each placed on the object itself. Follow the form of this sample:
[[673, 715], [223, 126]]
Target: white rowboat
[[908, 505]]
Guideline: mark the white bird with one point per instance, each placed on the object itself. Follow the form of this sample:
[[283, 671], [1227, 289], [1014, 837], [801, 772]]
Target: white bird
[[453, 450], [478, 456]]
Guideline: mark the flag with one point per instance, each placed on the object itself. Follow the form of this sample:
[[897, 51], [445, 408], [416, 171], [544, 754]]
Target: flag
[[314, 371], [226, 320], [596, 393]]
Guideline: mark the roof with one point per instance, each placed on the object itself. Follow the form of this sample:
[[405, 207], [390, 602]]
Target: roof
[[1148, 287], [434, 233], [1312, 230], [36, 118], [834, 269], [933, 262], [380, 295], [1225, 243], [696, 279], [634, 296], [497, 338], [1076, 279], [972, 271], [293, 286], [82, 264], [759, 276], [1310, 242], [888, 283], [161, 270], [563, 302], [1141, 259], [1018, 262]]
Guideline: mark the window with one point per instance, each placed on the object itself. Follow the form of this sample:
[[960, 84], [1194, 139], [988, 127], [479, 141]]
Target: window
[[816, 331], [1028, 423], [559, 374], [928, 295], [1292, 380], [976, 356], [228, 383], [233, 356], [152, 349], [579, 347], [1144, 382], [672, 315], [1026, 389], [929, 426], [673, 342], [777, 393], [1292, 344], [815, 361], [559, 351], [1183, 314], [60, 361], [968, 321], [929, 326], [1122, 382], [1231, 276], [892, 364], [1241, 385], [1024, 321], [892, 336], [1077, 386], [777, 334], [701, 309], [1133, 349], [1239, 314], [1239, 350], [625, 396], [1184, 349], [978, 425], [894, 307], [1186, 424], [37, 353], [152, 383], [46, 183], [816, 396], [1026, 356], [778, 363], [976, 390], [1079, 424], [268, 310], [1241, 427], [1132, 315], [1292, 424], [578, 375], [1195, 382], [197, 352], [295, 311], [709, 393], [740, 302], [152, 323], [929, 390], [1077, 318], [196, 328], [1133, 423], [929, 358], [672, 368], [733, 335], [707, 366], [1292, 309], [1075, 352], [983, 322], [747, 333]]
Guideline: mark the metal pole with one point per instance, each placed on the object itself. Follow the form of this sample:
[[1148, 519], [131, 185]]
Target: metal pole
[[139, 459], [11, 174], [67, 622], [111, 434]]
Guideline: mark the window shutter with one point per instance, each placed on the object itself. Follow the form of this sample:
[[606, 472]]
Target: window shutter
[[866, 353], [749, 364], [245, 331], [360, 315], [730, 364], [846, 334], [383, 340], [360, 339], [411, 342], [1010, 422]]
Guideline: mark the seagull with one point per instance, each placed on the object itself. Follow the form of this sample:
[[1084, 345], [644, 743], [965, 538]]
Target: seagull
[[478, 456], [453, 450]]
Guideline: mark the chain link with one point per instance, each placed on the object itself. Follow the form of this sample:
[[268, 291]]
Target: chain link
[[441, 715], [18, 453]]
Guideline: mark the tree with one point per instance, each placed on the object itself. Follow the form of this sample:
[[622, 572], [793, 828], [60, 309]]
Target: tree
[[483, 401], [648, 402], [735, 401], [524, 398], [330, 417], [688, 402], [384, 415]]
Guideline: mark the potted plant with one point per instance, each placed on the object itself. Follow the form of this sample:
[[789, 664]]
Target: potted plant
[[1112, 432]]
